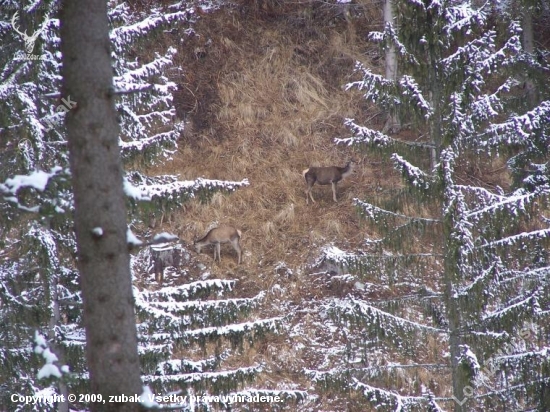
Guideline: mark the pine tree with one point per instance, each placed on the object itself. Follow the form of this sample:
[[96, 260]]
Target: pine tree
[[194, 322], [39, 282], [482, 248]]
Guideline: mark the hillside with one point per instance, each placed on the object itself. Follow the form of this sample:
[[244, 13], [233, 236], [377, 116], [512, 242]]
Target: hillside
[[264, 100], [261, 90], [262, 93], [425, 287]]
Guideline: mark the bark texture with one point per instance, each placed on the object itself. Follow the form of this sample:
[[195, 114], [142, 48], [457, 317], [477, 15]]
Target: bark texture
[[100, 210], [393, 123]]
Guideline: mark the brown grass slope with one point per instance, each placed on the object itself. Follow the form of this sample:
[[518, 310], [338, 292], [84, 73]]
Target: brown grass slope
[[262, 93], [268, 100]]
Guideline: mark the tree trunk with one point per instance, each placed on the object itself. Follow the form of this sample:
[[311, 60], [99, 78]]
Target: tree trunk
[[452, 276], [529, 47], [436, 121], [100, 210], [461, 388], [55, 319], [393, 124]]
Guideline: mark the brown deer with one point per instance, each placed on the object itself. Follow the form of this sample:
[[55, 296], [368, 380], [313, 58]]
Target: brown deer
[[218, 235], [326, 175]]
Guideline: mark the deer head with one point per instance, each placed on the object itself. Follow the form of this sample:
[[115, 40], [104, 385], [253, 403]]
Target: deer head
[[29, 40]]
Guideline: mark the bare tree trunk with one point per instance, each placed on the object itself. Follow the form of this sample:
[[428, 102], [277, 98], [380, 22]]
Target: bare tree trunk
[[529, 47], [55, 320], [452, 278], [100, 210], [393, 123]]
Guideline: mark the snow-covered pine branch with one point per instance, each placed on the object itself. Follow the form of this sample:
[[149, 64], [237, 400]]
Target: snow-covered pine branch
[[519, 129], [168, 314], [130, 28], [37, 180], [50, 368], [193, 316], [191, 289], [371, 315], [179, 366], [538, 176], [516, 362], [489, 106], [375, 87], [376, 213], [391, 95], [146, 145], [364, 136], [488, 206], [379, 325], [389, 399], [388, 220], [147, 114], [389, 37], [369, 137], [520, 239], [168, 189], [413, 175], [513, 314], [234, 332], [463, 17], [416, 100], [231, 378], [481, 286]]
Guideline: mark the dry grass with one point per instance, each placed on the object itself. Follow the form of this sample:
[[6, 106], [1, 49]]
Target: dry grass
[[278, 117], [271, 101]]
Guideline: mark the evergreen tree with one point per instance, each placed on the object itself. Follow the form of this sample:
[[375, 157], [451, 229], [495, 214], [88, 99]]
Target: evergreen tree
[[472, 263], [39, 286], [189, 319]]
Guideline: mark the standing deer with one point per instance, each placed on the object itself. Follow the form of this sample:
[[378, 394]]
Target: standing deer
[[326, 175], [218, 235]]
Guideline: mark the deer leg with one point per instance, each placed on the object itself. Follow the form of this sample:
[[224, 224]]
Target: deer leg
[[218, 248], [334, 192], [237, 248], [308, 193], [310, 183]]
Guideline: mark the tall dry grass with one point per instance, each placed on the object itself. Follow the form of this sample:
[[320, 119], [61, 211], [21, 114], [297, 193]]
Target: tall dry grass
[[279, 114]]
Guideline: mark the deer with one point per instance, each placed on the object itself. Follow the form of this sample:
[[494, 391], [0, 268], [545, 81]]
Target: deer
[[326, 175], [218, 235]]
